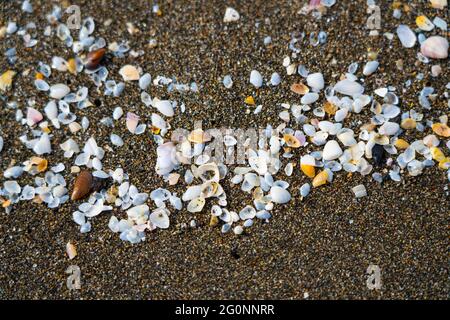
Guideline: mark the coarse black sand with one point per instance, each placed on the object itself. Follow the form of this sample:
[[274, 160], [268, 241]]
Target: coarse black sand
[[321, 245]]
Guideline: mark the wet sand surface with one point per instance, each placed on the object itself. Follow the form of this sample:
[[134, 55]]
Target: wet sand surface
[[321, 245]]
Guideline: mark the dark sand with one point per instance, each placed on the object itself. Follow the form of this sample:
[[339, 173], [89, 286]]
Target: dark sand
[[308, 246]]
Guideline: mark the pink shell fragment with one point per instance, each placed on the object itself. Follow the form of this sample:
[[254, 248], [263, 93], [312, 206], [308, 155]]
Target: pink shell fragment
[[132, 121], [435, 47], [33, 116]]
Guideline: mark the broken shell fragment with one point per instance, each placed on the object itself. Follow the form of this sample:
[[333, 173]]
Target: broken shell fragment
[[408, 124], [359, 191], [320, 179], [291, 141], [82, 186], [129, 73], [279, 195], [435, 47], [6, 80], [299, 88], [71, 250], [441, 129], [332, 150], [199, 136], [310, 171], [231, 15]]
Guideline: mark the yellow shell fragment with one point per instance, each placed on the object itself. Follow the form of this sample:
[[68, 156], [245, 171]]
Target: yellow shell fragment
[[424, 23], [39, 76], [330, 108], [444, 164], [6, 80], [249, 100], [437, 154], [401, 144], [310, 171], [408, 124], [72, 66], [441, 129], [40, 163], [320, 179], [198, 136], [291, 141]]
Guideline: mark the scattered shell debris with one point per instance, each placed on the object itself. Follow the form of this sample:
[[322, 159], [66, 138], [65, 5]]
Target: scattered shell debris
[[316, 136]]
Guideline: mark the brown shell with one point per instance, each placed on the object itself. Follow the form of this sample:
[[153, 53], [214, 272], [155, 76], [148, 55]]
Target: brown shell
[[82, 186], [94, 58]]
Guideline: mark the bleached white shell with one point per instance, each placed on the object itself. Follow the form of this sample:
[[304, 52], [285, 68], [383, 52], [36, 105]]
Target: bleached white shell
[[59, 91], [165, 107], [43, 145], [406, 35], [247, 213], [389, 128], [256, 79], [160, 219], [129, 73], [309, 98], [279, 195], [196, 205], [231, 15], [348, 87], [332, 150], [316, 81], [370, 67], [359, 191]]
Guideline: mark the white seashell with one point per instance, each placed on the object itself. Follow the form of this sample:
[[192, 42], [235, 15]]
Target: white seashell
[[231, 15], [1, 144], [132, 121], [359, 191], [165, 107], [331, 151], [275, 79], [341, 114], [348, 87], [41, 85], [160, 219], [316, 81], [229, 140], [116, 140], [247, 213], [196, 205], [145, 81], [347, 138], [238, 230], [43, 145], [309, 98], [129, 73], [305, 189], [406, 35], [117, 113], [279, 195], [227, 81], [59, 91], [389, 128], [289, 169], [158, 121], [435, 47], [12, 187], [256, 79], [370, 67]]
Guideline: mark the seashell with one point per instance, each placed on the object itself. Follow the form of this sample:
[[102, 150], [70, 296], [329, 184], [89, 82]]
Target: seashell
[[94, 58], [40, 163], [6, 80], [424, 23], [305, 189], [247, 213], [359, 191], [231, 15], [159, 218], [408, 124], [256, 79], [299, 88], [438, 4], [389, 128], [401, 144], [347, 138], [320, 179], [315, 81], [431, 141], [165, 107], [199, 136], [227, 81], [309, 98], [279, 195], [145, 81], [275, 79], [59, 91], [329, 108], [435, 47], [381, 139], [43, 145], [348, 87], [196, 205], [308, 170], [437, 154], [132, 121], [370, 67], [332, 150], [238, 230], [406, 35], [441, 129], [71, 250], [82, 186], [291, 141], [33, 116], [1, 144], [129, 73]]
